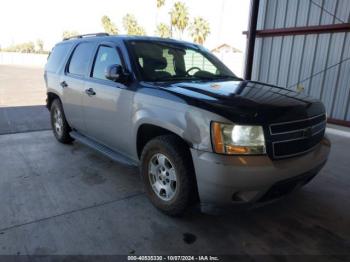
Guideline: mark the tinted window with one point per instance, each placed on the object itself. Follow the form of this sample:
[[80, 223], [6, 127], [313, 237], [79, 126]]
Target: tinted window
[[106, 56], [57, 56], [79, 62]]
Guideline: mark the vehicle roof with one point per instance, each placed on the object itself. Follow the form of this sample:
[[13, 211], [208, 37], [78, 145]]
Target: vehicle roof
[[116, 38]]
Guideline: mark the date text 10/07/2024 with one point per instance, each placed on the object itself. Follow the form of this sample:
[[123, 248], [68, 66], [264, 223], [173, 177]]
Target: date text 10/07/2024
[[173, 258]]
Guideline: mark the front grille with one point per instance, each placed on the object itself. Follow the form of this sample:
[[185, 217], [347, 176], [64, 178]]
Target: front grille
[[296, 137]]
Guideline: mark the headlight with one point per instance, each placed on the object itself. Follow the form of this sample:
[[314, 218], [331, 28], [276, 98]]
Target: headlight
[[237, 139]]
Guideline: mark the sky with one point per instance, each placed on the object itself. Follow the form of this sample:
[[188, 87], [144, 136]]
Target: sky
[[24, 20]]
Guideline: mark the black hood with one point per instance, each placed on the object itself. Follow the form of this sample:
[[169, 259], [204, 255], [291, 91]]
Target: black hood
[[247, 101]]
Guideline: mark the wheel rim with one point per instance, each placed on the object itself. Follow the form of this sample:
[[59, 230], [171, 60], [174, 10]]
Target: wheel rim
[[162, 176], [58, 121]]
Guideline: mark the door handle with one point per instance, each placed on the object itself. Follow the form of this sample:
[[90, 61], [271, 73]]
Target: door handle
[[63, 84], [90, 92]]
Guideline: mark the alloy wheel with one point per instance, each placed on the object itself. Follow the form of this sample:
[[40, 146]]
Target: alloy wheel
[[162, 176]]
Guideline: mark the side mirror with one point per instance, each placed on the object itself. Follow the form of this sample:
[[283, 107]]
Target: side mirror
[[115, 73]]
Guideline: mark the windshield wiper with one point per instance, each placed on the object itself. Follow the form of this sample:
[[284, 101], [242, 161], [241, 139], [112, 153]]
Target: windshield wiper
[[216, 77], [172, 78], [193, 78]]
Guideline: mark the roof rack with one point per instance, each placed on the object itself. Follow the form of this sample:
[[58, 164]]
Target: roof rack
[[85, 35]]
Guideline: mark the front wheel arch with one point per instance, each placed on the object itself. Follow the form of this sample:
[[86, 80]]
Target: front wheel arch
[[146, 132]]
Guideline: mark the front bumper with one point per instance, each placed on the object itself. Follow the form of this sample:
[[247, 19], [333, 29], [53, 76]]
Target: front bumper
[[225, 180]]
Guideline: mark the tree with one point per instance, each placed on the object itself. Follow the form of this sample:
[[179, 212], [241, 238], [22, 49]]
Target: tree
[[160, 3], [109, 26], [67, 33], [131, 26], [163, 30], [179, 17], [39, 45], [199, 30], [27, 47]]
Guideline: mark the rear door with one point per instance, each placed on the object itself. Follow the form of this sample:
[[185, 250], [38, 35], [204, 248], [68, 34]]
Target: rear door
[[107, 106], [73, 83]]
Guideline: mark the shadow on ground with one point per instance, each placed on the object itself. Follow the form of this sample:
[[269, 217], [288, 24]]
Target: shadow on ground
[[23, 119]]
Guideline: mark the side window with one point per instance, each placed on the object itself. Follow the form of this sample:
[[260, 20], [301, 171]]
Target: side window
[[79, 62], [106, 56], [57, 56], [194, 59]]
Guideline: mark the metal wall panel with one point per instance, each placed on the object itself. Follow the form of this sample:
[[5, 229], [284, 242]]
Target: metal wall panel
[[281, 14], [285, 58], [275, 56], [329, 85], [290, 13], [343, 11], [315, 14], [262, 14], [340, 106], [289, 60], [265, 58], [271, 10], [257, 58], [303, 13]]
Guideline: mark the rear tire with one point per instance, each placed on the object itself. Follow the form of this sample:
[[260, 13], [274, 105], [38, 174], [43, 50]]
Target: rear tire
[[168, 174], [59, 123]]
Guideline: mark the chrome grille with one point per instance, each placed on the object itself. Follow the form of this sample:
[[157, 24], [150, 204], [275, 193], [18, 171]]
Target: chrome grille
[[296, 137]]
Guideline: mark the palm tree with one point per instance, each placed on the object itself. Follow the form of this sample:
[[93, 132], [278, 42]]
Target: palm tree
[[109, 26], [40, 45], [160, 3], [131, 26], [199, 30], [179, 17], [163, 30]]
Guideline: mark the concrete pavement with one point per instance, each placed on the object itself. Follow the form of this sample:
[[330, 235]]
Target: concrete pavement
[[21, 86], [67, 199]]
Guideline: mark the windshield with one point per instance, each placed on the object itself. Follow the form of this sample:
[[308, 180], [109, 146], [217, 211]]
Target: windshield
[[164, 61]]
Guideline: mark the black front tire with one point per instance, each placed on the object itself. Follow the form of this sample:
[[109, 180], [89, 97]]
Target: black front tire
[[59, 123], [177, 152]]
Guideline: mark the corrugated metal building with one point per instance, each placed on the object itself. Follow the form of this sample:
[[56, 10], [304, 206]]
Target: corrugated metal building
[[306, 43]]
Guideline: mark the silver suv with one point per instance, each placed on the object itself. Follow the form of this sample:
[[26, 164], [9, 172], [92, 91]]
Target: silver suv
[[199, 133]]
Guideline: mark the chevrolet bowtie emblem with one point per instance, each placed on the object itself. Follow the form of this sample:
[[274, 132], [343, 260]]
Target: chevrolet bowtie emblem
[[308, 132]]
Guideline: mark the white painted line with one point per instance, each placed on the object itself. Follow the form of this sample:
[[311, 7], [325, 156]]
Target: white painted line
[[337, 132]]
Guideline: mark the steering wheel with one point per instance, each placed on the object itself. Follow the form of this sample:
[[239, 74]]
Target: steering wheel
[[193, 68]]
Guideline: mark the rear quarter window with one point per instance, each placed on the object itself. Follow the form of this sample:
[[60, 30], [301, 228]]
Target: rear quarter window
[[58, 55]]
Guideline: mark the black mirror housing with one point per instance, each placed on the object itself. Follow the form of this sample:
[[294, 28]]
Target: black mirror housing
[[116, 73]]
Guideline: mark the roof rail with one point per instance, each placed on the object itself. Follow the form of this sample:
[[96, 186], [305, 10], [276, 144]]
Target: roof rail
[[85, 35]]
